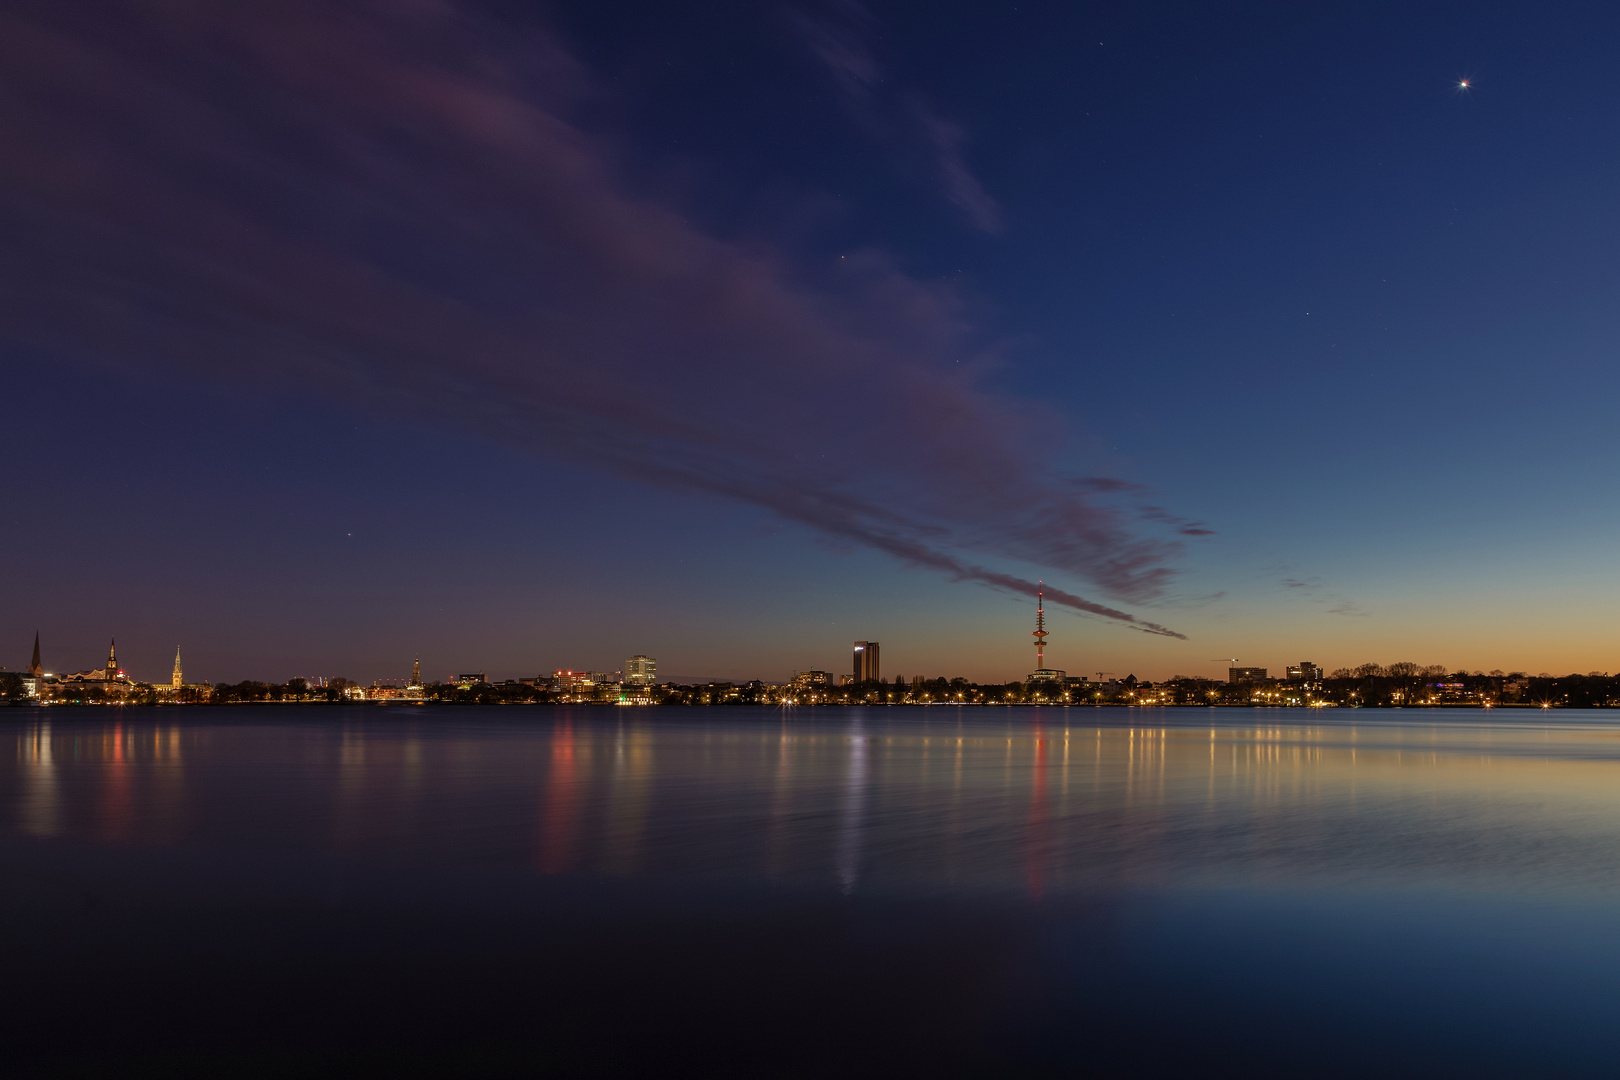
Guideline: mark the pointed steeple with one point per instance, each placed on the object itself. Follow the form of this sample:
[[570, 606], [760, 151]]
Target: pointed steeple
[[175, 679], [112, 659], [33, 668]]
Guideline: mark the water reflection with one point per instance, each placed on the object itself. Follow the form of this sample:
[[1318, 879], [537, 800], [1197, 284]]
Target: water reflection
[[561, 803], [1041, 802], [631, 790], [854, 802], [37, 813], [1037, 835]]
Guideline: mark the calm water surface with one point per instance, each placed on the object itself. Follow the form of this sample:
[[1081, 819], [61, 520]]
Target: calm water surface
[[1121, 892]]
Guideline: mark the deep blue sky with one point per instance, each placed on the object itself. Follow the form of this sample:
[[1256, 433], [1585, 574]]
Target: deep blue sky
[[522, 337]]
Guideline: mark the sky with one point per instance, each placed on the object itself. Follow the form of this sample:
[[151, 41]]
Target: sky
[[527, 336]]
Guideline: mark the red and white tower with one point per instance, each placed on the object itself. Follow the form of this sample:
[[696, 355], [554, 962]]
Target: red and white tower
[[1040, 626]]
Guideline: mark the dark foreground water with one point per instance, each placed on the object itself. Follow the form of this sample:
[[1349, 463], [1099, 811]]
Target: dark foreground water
[[1086, 892]]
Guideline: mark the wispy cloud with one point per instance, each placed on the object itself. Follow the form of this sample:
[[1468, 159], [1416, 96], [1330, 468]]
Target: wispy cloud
[[1109, 485], [1312, 586], [1181, 525], [839, 34], [390, 203]]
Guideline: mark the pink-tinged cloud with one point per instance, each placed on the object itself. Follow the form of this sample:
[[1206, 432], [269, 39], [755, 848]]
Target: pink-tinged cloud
[[391, 202]]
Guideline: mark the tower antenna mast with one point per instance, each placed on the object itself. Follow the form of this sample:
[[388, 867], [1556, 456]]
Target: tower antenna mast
[[1040, 626]]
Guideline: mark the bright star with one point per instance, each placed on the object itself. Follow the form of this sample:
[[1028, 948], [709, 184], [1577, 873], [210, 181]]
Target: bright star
[[1463, 85]]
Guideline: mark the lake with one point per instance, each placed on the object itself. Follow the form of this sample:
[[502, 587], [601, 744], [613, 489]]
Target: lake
[[961, 891]]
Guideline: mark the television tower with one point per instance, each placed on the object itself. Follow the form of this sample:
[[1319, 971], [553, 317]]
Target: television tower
[[1040, 626]]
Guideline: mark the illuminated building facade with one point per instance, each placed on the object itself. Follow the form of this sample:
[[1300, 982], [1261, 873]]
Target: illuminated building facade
[[812, 680], [1245, 674], [867, 668], [640, 671], [175, 679]]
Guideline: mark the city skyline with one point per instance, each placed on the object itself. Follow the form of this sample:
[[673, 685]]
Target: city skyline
[[641, 669]]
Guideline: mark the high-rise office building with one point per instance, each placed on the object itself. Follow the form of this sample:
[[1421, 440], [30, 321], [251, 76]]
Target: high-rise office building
[[640, 671], [1305, 670], [1245, 674], [866, 662]]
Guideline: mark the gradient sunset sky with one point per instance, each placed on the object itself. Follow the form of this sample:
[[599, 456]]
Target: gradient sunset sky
[[527, 336]]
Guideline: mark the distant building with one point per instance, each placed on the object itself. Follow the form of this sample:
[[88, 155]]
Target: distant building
[[1304, 670], [605, 678], [1047, 675], [471, 678], [635, 693], [812, 680], [568, 681], [640, 671], [416, 672], [34, 668], [411, 693], [867, 668], [30, 684], [175, 681], [110, 677], [1245, 674]]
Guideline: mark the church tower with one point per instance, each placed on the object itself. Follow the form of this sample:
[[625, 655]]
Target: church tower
[[174, 680], [33, 668], [112, 659], [416, 672]]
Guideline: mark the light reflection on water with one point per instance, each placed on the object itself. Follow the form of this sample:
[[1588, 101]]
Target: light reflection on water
[[1079, 892], [1043, 802]]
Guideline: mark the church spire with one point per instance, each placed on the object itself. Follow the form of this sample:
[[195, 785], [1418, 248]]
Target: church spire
[[33, 668], [175, 679], [112, 659]]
